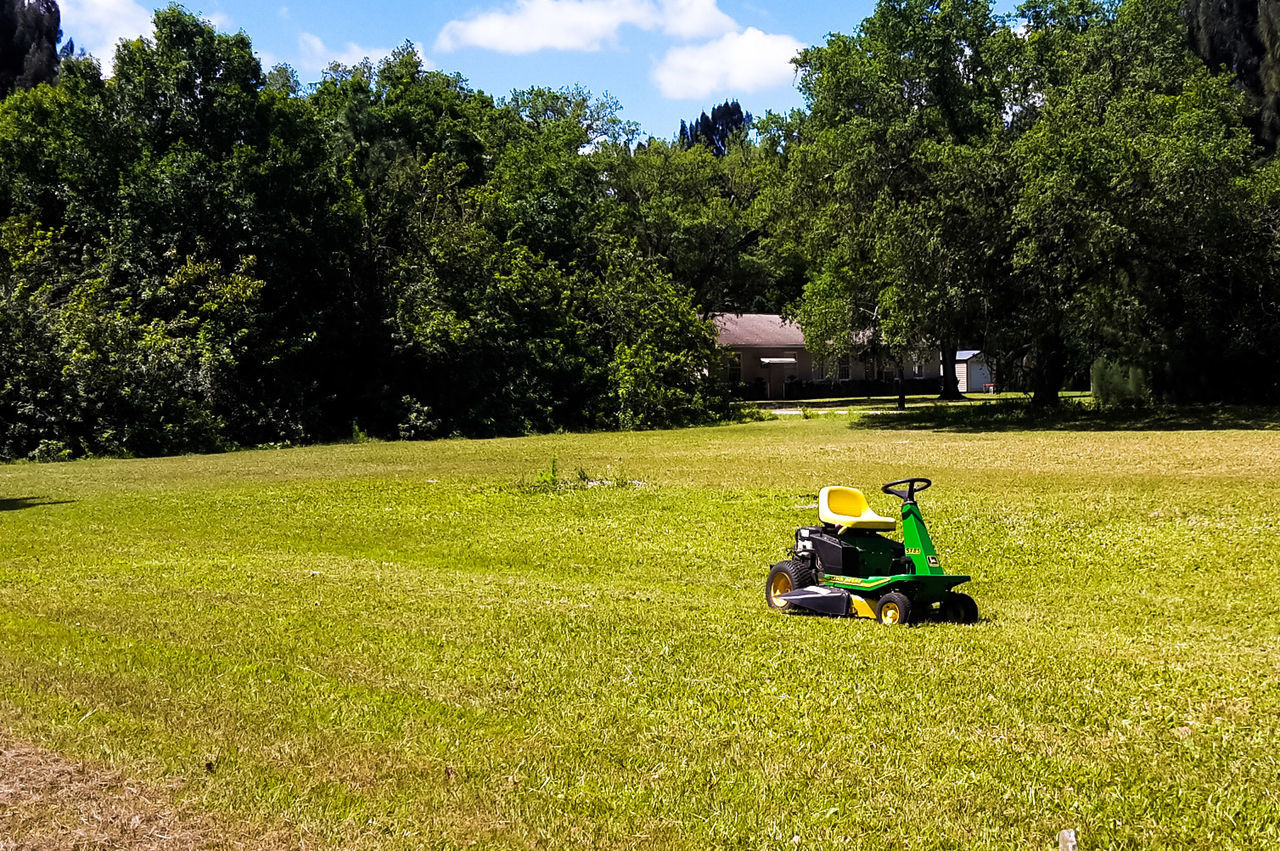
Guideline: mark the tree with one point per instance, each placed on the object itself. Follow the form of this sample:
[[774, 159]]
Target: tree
[[697, 217], [29, 34], [904, 114], [716, 132], [1242, 37], [1133, 236]]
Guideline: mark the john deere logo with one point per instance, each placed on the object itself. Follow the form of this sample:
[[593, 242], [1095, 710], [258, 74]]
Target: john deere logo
[[934, 561]]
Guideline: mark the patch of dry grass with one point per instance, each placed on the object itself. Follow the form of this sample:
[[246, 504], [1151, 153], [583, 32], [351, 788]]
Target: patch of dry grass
[[47, 801]]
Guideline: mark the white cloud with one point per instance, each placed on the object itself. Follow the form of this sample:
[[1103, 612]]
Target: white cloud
[[314, 55], [541, 24], [589, 25], [734, 63], [97, 25], [695, 19]]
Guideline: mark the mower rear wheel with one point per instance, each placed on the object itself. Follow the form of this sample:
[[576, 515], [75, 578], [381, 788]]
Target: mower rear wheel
[[787, 576], [959, 608], [894, 608]]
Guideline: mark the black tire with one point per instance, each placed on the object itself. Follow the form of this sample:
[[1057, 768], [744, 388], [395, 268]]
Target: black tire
[[787, 576], [894, 608], [959, 608]]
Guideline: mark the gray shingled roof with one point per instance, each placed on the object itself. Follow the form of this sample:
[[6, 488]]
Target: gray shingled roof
[[762, 330]]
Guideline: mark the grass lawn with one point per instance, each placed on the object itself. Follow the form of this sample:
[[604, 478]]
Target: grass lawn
[[416, 644]]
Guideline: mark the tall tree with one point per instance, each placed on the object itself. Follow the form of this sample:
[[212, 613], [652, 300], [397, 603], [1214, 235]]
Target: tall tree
[[29, 34], [902, 113], [717, 131], [1243, 38]]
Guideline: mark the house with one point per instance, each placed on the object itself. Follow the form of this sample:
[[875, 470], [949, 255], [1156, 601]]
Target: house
[[973, 374], [762, 348], [767, 356]]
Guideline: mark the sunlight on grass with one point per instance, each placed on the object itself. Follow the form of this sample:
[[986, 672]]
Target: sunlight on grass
[[427, 643]]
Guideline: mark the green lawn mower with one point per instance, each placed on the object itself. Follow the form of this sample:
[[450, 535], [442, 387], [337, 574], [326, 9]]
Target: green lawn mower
[[845, 567]]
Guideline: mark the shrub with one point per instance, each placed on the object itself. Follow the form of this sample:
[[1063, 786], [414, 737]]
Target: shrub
[[1117, 384]]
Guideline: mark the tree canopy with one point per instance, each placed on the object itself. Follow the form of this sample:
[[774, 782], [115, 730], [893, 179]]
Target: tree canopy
[[198, 253]]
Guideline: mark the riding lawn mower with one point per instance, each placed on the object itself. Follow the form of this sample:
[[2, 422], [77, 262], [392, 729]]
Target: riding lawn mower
[[846, 567]]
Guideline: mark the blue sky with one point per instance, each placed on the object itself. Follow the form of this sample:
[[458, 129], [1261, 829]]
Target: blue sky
[[664, 60]]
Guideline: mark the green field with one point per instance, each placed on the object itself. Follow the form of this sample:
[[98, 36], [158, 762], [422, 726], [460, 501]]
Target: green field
[[431, 644]]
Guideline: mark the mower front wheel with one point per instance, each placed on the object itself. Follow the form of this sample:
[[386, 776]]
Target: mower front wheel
[[787, 576], [959, 608], [894, 608]]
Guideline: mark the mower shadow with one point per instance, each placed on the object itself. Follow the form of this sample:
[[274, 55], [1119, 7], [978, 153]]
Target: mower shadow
[[930, 622], [17, 503], [1020, 415]]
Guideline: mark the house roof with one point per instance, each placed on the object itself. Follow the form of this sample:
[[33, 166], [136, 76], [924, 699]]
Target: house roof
[[762, 330], [965, 354]]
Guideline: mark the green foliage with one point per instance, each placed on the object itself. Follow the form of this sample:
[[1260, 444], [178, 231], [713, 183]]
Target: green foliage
[[1073, 187], [1116, 384], [197, 257]]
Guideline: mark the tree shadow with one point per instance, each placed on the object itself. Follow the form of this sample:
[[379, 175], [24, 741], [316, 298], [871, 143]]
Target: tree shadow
[[1019, 415], [17, 503]]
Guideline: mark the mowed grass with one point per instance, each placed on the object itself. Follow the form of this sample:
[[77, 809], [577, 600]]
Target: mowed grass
[[413, 645]]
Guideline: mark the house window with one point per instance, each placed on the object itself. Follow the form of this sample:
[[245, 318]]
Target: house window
[[843, 368], [819, 372], [918, 370], [733, 368]]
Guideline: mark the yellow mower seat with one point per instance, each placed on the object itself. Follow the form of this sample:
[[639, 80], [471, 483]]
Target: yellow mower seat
[[849, 509]]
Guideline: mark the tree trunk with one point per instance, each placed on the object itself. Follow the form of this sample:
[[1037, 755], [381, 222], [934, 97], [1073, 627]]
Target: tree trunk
[[902, 386], [950, 385], [1048, 365]]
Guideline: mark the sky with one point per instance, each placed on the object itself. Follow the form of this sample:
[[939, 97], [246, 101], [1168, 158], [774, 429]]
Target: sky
[[663, 60]]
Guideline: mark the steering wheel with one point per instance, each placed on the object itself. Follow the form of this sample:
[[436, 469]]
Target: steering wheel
[[914, 486]]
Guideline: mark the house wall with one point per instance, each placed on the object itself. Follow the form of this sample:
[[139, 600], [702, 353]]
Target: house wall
[[882, 369], [775, 375], [924, 368]]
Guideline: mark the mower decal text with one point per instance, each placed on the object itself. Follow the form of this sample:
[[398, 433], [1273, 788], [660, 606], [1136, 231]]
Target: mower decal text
[[913, 551], [850, 582]]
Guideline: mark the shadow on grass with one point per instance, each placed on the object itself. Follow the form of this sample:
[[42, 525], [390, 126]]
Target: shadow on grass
[[1019, 415], [929, 617], [17, 503]]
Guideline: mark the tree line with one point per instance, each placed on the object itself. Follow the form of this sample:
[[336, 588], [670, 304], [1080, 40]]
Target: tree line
[[1082, 183], [197, 253]]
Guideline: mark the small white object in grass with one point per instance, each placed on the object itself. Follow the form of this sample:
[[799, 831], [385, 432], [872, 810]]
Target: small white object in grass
[[314, 573], [1067, 840]]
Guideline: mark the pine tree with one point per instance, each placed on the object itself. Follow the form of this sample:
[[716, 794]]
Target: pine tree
[[715, 131], [29, 34]]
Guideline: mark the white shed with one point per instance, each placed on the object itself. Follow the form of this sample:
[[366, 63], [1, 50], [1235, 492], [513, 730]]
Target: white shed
[[973, 375]]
